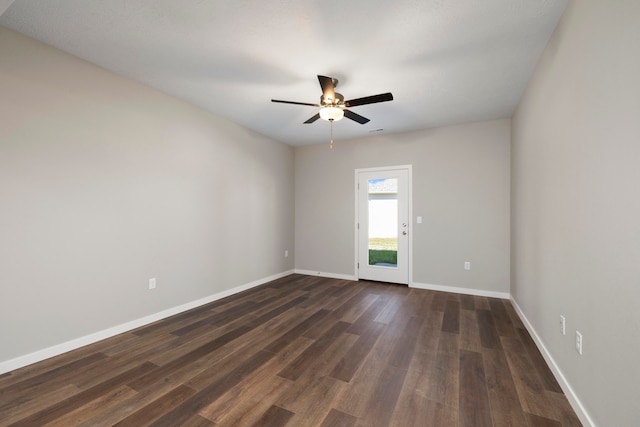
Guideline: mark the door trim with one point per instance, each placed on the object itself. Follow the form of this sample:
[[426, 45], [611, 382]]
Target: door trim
[[408, 168]]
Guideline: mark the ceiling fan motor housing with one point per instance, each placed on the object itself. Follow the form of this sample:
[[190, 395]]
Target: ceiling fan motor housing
[[328, 102]]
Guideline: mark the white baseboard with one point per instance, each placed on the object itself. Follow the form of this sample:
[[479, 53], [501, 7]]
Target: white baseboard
[[58, 349], [577, 406], [324, 274], [456, 290]]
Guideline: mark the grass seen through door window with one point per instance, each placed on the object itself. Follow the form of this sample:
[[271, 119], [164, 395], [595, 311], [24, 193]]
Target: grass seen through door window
[[383, 250]]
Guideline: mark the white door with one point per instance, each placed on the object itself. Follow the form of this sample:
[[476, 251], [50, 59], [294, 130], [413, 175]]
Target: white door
[[382, 224]]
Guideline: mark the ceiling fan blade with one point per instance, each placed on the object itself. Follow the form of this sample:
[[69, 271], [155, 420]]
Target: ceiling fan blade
[[313, 119], [369, 100], [328, 89], [355, 117], [295, 103]]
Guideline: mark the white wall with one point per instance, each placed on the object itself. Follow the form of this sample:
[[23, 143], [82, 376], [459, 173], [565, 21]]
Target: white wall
[[576, 204], [105, 183], [460, 188]]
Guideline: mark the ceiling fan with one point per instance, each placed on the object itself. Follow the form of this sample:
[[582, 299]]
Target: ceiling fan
[[333, 106]]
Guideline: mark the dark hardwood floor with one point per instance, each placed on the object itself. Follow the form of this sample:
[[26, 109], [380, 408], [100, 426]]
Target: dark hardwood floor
[[303, 351]]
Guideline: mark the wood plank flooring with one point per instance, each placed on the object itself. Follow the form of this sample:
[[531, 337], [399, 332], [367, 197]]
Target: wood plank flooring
[[303, 351]]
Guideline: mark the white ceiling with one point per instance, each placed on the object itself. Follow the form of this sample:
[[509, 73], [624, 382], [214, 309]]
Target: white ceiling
[[445, 61]]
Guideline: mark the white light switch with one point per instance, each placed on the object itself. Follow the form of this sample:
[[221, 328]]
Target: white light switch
[[579, 343], [419, 220]]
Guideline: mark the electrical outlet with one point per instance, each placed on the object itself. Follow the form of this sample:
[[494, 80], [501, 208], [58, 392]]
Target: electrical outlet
[[563, 325], [467, 265], [152, 283], [579, 343]]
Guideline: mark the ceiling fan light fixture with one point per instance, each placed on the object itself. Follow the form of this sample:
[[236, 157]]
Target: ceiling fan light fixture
[[332, 114]]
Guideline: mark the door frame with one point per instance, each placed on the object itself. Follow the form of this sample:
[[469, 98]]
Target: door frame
[[408, 168]]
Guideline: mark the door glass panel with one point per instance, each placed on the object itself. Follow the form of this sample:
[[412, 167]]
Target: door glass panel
[[383, 222]]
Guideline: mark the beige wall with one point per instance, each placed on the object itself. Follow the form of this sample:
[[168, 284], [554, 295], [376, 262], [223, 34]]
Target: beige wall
[[105, 183], [576, 204], [460, 188]]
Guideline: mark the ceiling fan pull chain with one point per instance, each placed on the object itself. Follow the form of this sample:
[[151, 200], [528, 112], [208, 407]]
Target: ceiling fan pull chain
[[331, 143]]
